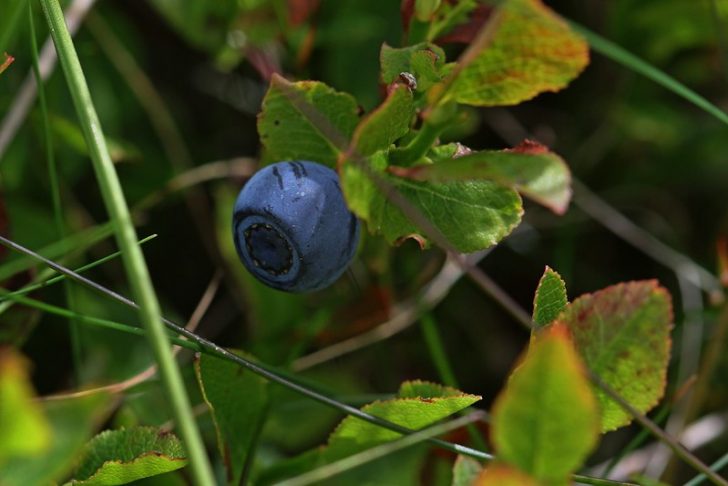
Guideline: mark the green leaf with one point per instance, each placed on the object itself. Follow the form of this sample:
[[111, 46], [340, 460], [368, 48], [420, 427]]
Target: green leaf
[[530, 168], [550, 298], [465, 471], [411, 410], [525, 50], [238, 400], [546, 421], [472, 215], [306, 120], [24, 430], [389, 122], [424, 61], [419, 404], [623, 333], [72, 423], [126, 455]]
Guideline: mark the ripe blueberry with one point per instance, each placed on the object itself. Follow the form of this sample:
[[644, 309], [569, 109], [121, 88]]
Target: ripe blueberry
[[292, 228]]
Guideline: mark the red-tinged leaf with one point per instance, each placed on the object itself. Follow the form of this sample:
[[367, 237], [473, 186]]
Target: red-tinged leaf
[[465, 33], [550, 298], [499, 474], [406, 9], [6, 63], [623, 334], [530, 168], [523, 50], [300, 10], [546, 421], [722, 250]]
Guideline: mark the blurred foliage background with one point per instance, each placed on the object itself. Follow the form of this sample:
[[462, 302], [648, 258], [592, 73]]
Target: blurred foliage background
[[178, 84]]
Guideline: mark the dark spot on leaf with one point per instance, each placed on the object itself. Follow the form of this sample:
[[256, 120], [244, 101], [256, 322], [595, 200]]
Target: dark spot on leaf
[[276, 122]]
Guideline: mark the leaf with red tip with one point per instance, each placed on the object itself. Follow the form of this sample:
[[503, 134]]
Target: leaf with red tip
[[523, 50], [530, 168], [499, 474], [6, 63], [300, 10], [623, 333]]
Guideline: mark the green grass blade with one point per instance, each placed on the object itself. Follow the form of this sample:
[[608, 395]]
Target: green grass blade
[[77, 242], [76, 346], [136, 268], [716, 466], [58, 278], [620, 55]]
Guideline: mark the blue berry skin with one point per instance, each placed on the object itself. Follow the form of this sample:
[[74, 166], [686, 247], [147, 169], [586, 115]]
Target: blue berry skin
[[292, 228]]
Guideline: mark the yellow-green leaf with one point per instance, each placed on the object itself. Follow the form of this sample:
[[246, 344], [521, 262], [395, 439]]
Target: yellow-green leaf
[[546, 421], [418, 405], [623, 333], [126, 455], [73, 421], [525, 50], [24, 430]]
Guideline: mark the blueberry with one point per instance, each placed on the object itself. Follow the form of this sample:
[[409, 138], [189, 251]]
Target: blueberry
[[292, 228]]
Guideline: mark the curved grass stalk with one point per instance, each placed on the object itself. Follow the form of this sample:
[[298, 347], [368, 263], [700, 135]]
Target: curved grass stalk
[[620, 55], [133, 258]]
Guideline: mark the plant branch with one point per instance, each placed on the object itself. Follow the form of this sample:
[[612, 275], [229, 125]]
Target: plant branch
[[132, 256], [660, 434]]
